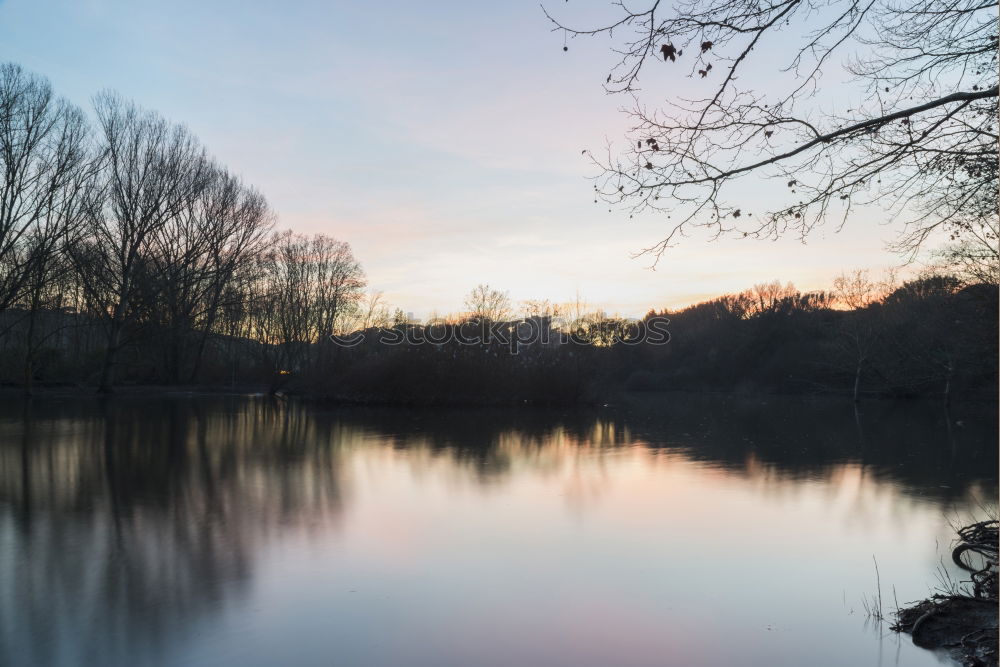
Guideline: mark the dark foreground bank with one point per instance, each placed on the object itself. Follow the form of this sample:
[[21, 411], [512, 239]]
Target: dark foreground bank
[[964, 621]]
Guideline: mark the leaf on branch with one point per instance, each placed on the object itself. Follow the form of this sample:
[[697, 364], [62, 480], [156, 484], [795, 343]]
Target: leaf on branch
[[669, 51], [649, 165], [705, 46], [792, 182], [768, 133]]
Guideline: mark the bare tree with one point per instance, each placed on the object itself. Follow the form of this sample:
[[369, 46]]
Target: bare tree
[[282, 314], [312, 286], [238, 227], [133, 232], [484, 303], [973, 255], [196, 254], [373, 312], [861, 329], [912, 124], [857, 289], [48, 266], [338, 284], [769, 297], [150, 171], [43, 155]]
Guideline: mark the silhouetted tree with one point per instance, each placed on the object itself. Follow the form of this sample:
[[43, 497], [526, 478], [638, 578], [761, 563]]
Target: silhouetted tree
[[974, 254], [859, 330], [312, 286], [913, 124], [43, 154], [150, 172], [484, 303], [44, 161], [196, 255]]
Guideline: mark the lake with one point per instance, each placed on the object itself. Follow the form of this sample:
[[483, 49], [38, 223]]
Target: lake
[[693, 531]]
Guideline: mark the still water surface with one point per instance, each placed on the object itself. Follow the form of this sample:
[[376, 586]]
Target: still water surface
[[208, 530]]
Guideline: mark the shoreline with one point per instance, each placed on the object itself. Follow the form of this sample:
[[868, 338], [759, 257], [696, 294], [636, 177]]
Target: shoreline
[[962, 622], [614, 397]]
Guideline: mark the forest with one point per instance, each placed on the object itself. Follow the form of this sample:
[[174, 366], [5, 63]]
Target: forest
[[130, 256], [934, 336]]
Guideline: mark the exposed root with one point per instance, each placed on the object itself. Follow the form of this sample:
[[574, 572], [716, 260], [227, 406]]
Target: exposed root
[[965, 621]]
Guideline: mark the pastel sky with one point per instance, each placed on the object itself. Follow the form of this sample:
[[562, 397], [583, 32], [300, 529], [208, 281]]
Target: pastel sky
[[441, 139]]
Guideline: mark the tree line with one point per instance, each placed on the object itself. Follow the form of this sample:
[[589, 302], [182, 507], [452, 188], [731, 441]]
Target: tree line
[[933, 336], [868, 336], [128, 254], [126, 247]]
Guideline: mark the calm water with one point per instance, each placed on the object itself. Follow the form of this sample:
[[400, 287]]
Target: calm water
[[245, 531]]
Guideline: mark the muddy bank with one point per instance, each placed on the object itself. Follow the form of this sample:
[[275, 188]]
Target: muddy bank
[[965, 627], [964, 621]]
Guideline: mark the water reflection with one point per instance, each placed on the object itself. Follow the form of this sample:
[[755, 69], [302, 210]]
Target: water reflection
[[186, 530], [132, 519]]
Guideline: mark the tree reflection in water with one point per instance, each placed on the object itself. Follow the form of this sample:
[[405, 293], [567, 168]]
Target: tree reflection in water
[[127, 522]]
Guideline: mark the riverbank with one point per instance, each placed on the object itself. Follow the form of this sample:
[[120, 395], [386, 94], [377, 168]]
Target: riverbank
[[610, 395], [964, 621], [76, 390]]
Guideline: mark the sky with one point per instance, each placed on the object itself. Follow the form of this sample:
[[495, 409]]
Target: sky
[[441, 139]]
